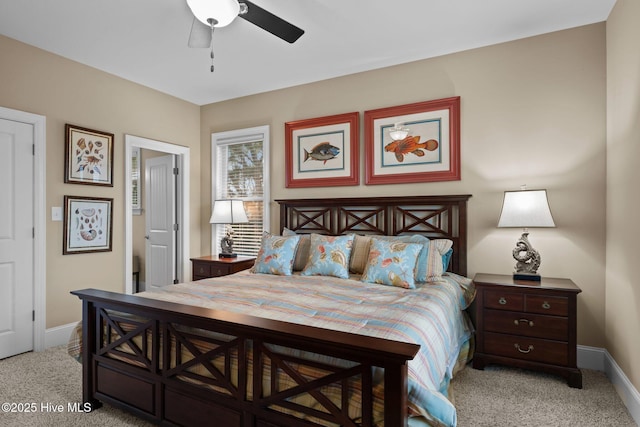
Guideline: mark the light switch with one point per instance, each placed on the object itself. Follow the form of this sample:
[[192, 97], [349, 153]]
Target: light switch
[[56, 213]]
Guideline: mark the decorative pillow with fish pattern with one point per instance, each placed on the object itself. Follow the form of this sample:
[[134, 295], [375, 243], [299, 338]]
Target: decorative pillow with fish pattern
[[392, 262], [329, 256], [276, 255]]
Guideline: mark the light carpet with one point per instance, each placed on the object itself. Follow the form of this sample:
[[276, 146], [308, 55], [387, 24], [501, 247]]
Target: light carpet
[[48, 384], [501, 396]]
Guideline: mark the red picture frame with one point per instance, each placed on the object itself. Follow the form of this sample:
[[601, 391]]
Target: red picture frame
[[431, 151], [322, 152]]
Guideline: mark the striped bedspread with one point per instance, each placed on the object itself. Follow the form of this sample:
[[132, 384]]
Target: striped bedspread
[[431, 316]]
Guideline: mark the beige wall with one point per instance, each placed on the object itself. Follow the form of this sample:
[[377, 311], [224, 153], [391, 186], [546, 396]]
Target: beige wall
[[533, 112], [68, 92], [623, 178]]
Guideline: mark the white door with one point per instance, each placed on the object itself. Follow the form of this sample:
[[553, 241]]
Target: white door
[[160, 190], [16, 237]]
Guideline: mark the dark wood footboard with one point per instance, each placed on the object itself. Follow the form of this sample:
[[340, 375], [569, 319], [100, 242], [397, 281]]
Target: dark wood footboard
[[134, 351]]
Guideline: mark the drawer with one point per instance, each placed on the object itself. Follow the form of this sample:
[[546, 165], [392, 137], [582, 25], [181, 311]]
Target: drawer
[[239, 266], [138, 392], [558, 306], [499, 300], [526, 324], [187, 410], [527, 348], [201, 269], [220, 270]]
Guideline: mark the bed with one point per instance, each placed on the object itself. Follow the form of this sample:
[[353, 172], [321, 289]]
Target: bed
[[305, 349]]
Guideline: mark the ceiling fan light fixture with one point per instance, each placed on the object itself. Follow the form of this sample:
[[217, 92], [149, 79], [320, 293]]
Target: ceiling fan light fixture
[[222, 11]]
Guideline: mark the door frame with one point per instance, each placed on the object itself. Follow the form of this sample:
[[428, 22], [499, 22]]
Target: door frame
[[182, 201], [39, 220]]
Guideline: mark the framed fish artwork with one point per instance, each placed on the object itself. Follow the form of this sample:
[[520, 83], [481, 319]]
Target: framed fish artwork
[[322, 152], [411, 143], [87, 225], [88, 156]]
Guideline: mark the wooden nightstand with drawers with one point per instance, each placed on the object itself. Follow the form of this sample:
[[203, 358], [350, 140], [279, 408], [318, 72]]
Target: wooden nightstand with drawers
[[526, 324], [211, 266]]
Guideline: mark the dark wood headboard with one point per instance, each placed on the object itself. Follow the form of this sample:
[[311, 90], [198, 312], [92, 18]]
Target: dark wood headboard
[[436, 217]]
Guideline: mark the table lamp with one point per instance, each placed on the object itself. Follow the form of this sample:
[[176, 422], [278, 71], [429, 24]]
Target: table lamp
[[228, 211], [526, 208]]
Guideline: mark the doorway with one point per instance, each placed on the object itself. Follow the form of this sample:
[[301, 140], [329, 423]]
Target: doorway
[[182, 205], [22, 232]]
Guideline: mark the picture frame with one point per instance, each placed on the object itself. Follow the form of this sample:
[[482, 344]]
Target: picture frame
[[88, 223], [431, 151], [88, 156], [323, 152]]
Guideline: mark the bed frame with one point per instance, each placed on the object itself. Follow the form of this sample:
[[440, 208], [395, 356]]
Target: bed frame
[[152, 380]]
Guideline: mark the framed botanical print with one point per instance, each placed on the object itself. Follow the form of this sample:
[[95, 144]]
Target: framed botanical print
[[413, 143], [88, 156], [87, 225], [322, 152]]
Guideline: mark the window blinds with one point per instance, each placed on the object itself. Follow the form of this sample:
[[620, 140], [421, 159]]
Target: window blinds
[[240, 174]]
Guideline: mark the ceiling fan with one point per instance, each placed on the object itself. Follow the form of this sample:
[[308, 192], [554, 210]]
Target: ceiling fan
[[211, 14]]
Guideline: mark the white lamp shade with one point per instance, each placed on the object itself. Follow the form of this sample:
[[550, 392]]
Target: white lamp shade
[[228, 211], [223, 11], [526, 208]]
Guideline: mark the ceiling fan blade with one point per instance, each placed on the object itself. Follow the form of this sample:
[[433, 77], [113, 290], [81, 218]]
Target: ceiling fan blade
[[271, 23], [200, 35]]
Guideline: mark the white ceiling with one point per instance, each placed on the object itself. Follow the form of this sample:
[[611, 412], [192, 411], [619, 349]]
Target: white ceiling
[[145, 41]]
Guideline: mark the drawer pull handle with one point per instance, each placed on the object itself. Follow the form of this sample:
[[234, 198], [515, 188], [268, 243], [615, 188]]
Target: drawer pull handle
[[502, 300], [528, 350], [546, 305], [517, 322]]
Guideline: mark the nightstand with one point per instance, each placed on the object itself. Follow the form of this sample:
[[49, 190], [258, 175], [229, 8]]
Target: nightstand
[[526, 324], [211, 266]]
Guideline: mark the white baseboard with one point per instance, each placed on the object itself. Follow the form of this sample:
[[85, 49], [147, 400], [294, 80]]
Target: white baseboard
[[628, 393], [591, 358], [599, 359], [59, 335]]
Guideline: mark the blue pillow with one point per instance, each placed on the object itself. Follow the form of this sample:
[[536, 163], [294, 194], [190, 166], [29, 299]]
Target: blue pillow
[[392, 262], [423, 256], [446, 259], [276, 255], [329, 256]]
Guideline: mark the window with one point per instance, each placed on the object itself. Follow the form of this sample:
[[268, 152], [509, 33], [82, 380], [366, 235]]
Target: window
[[135, 181], [240, 164]]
